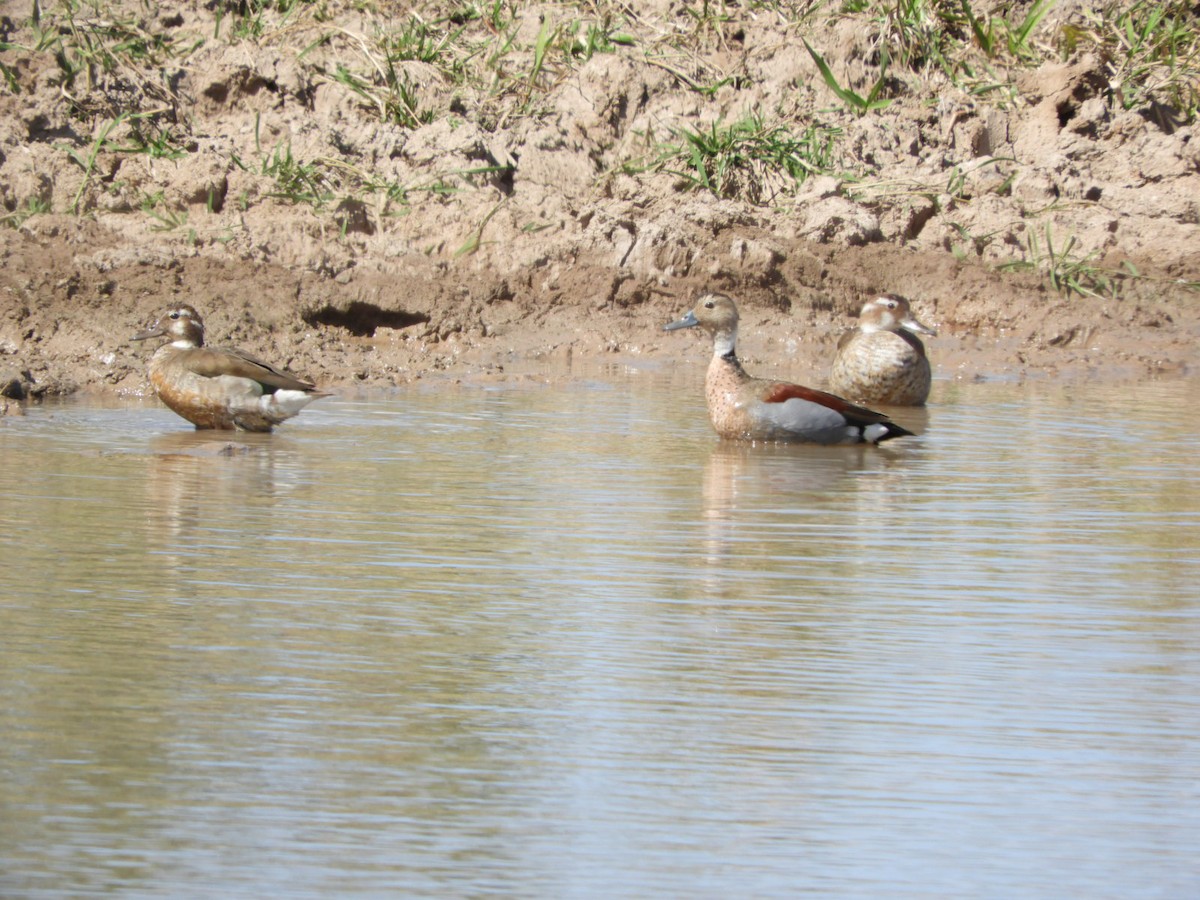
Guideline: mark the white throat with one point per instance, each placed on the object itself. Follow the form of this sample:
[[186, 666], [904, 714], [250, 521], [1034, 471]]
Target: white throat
[[724, 342]]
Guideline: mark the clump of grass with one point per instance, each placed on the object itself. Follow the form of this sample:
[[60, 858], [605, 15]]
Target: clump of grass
[[418, 41], [107, 63], [393, 95], [749, 159], [1067, 272], [34, 206], [155, 138], [1062, 268], [994, 34], [298, 181], [8, 73], [582, 40], [1150, 51], [475, 239], [534, 71], [329, 183], [476, 51], [387, 86], [141, 135], [86, 160], [976, 243], [251, 19], [971, 49], [162, 217], [920, 33]]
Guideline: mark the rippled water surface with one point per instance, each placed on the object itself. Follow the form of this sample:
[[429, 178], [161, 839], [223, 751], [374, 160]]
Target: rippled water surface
[[559, 641]]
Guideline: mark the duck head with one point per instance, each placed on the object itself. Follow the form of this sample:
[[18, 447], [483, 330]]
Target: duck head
[[890, 312], [182, 324], [717, 314]]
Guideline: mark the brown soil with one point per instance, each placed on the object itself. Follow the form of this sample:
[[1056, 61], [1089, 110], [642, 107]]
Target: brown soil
[[561, 253]]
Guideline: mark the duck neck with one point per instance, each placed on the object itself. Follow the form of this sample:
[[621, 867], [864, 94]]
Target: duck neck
[[724, 345], [912, 340], [725, 358], [189, 336]]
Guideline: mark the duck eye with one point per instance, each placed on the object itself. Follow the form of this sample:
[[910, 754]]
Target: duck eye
[[175, 315], [708, 304]]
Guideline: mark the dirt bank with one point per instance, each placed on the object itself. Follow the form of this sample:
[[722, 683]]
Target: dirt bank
[[541, 180]]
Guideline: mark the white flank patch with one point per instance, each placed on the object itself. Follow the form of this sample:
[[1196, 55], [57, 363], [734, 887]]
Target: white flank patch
[[285, 403], [874, 432]]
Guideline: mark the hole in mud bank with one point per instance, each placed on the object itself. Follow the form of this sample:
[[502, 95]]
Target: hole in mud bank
[[362, 319], [1066, 112]]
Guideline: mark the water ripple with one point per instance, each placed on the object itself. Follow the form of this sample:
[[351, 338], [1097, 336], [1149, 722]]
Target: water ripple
[[560, 641]]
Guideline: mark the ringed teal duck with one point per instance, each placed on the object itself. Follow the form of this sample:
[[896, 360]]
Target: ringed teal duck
[[216, 388], [883, 360], [748, 408]]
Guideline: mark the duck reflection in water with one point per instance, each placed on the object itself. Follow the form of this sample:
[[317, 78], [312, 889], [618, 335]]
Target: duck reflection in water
[[772, 503], [192, 473], [743, 482]]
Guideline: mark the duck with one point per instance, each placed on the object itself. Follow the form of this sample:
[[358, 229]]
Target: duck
[[883, 360], [742, 407], [219, 388]]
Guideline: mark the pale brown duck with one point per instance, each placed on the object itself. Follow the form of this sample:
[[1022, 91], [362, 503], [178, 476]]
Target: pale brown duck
[[219, 388], [883, 360]]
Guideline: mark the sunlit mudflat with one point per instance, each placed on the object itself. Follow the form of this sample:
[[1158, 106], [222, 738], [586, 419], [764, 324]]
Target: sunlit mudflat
[[560, 641]]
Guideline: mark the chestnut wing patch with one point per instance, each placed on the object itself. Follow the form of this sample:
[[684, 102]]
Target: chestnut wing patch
[[782, 391]]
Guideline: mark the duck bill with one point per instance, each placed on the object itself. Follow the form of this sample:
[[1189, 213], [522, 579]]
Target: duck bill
[[153, 331], [688, 321], [911, 324]]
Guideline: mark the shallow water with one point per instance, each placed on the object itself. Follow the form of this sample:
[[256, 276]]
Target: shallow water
[[560, 641]]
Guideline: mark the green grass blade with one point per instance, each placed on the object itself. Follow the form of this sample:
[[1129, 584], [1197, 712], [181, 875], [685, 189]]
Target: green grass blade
[[846, 96]]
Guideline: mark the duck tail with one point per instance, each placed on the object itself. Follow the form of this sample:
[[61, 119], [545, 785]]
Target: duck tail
[[878, 432]]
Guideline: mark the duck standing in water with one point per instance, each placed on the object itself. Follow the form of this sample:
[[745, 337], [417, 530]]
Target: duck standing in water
[[215, 388], [760, 409], [883, 360]]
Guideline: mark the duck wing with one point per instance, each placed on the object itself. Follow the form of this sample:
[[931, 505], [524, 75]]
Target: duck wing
[[213, 363], [846, 337], [806, 410], [783, 391]]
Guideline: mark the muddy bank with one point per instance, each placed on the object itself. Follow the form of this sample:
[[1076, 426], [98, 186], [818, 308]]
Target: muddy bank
[[75, 309], [518, 217]]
